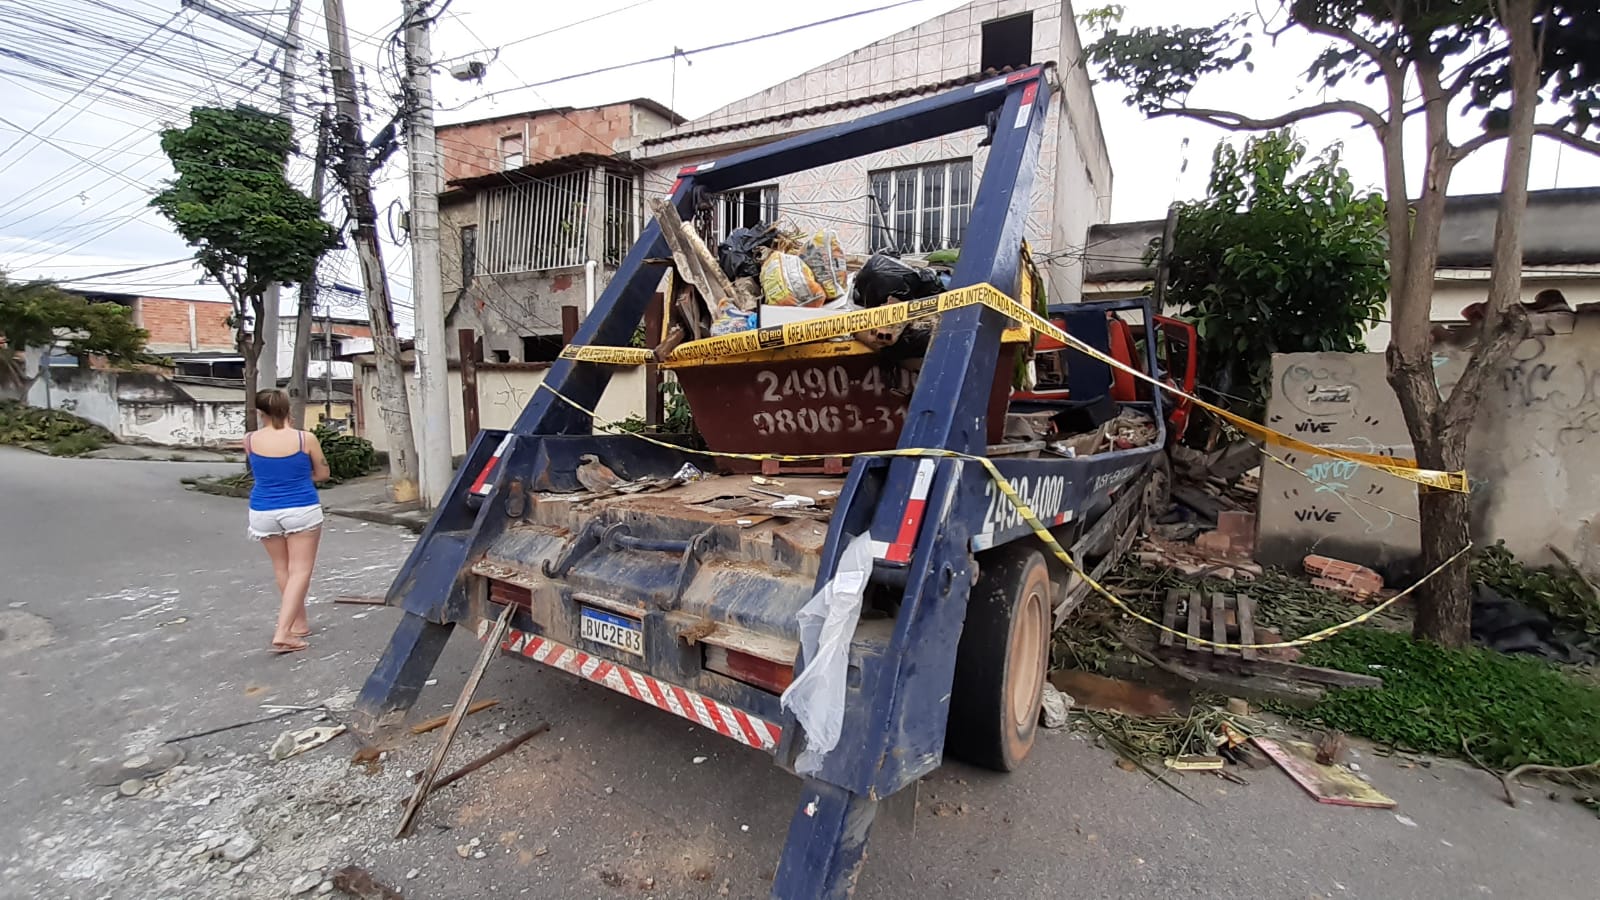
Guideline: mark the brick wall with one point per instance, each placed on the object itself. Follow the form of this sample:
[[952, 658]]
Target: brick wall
[[473, 148], [167, 320]]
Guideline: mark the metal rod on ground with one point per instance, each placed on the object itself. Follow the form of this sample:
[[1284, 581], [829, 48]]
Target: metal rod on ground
[[422, 149], [492, 755], [458, 714]]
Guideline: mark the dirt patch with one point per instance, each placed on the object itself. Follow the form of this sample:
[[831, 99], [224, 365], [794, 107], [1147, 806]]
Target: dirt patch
[[23, 631]]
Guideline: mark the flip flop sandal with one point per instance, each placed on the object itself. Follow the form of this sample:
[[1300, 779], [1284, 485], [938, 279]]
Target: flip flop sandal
[[281, 649]]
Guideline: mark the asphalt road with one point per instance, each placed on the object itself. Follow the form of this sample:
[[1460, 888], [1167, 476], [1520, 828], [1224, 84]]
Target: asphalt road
[[133, 610]]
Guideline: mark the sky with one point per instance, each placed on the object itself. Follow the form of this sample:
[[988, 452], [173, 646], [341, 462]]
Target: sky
[[80, 128]]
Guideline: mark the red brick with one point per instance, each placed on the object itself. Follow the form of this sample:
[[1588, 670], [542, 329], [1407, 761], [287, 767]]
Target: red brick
[[1214, 543]]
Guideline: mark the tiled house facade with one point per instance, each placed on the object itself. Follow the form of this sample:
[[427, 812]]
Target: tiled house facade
[[915, 198]]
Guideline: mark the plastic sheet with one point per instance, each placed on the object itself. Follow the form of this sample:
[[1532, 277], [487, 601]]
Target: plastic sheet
[[827, 625]]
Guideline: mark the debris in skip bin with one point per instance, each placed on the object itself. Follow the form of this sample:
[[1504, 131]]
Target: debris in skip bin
[[428, 725], [1327, 784], [294, 743], [687, 473], [1054, 707], [767, 482]]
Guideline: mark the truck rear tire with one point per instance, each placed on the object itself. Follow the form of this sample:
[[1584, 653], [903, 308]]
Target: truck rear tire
[[1001, 661]]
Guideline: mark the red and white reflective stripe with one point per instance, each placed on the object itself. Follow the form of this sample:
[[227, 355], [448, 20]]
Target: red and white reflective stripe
[[482, 486], [719, 717], [1029, 93], [911, 521]]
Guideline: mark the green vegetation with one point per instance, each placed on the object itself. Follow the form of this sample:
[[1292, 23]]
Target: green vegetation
[[37, 314], [57, 433], [1561, 595], [1284, 255], [348, 456], [1512, 709]]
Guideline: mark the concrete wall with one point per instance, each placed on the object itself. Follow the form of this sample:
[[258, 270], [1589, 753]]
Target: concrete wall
[[502, 394], [1533, 459], [89, 393], [1072, 187], [187, 424]]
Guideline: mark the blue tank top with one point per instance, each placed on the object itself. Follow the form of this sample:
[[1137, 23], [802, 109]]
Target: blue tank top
[[281, 482]]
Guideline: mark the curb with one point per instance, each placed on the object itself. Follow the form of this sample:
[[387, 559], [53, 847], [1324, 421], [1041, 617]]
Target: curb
[[401, 520], [220, 490]]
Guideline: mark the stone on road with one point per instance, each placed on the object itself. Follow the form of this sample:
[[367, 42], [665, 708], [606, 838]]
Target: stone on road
[[150, 613]]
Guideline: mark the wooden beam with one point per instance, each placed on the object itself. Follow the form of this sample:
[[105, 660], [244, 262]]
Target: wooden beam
[[471, 352]]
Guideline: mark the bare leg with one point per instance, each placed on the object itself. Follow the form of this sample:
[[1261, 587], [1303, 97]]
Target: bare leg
[[302, 557], [278, 550]]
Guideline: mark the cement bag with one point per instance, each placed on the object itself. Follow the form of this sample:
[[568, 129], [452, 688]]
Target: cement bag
[[827, 625], [825, 255], [786, 280]]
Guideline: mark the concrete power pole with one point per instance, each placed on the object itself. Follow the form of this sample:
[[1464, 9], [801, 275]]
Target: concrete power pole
[[308, 293], [393, 406], [289, 43], [426, 290]]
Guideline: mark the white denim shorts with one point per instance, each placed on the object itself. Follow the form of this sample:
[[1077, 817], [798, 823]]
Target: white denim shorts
[[265, 523]]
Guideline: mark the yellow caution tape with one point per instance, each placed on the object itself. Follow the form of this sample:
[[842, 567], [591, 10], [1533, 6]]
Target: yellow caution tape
[[1038, 528], [844, 324]]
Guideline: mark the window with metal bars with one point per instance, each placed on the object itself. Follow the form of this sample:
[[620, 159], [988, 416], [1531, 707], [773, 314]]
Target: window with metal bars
[[919, 209], [745, 208], [621, 216], [541, 224]]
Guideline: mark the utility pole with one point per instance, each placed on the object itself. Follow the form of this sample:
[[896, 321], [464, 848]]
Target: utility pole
[[308, 293], [289, 44], [423, 152], [393, 404], [327, 371]]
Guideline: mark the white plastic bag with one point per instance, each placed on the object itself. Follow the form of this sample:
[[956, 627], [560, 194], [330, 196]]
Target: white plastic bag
[[827, 625]]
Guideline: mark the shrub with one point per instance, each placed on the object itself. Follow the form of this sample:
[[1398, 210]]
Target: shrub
[[348, 456], [20, 424], [76, 444]]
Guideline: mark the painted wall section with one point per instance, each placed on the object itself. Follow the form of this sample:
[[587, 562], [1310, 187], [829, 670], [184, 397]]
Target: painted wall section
[[1534, 453], [502, 393]]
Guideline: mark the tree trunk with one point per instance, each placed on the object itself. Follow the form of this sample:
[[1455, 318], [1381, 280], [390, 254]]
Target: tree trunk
[[251, 371], [1444, 602]]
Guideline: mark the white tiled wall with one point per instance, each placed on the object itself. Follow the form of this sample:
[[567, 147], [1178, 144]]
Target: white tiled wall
[[1072, 188]]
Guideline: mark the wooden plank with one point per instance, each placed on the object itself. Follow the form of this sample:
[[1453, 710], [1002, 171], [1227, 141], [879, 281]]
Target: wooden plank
[[471, 355], [1314, 674], [1219, 623], [427, 725], [1194, 602], [491, 648], [1246, 605], [1169, 616]]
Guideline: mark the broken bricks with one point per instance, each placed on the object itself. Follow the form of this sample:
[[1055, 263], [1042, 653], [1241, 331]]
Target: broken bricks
[[1343, 577]]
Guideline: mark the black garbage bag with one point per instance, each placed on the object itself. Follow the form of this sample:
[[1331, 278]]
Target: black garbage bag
[[740, 254], [884, 279]]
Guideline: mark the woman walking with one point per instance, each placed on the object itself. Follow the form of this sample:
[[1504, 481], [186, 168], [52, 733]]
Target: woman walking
[[285, 512]]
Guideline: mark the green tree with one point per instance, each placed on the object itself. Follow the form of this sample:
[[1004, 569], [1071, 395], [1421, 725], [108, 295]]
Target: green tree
[[39, 314], [1280, 257], [250, 228], [1470, 73]]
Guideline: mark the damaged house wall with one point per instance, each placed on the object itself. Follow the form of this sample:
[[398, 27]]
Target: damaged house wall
[[1534, 454]]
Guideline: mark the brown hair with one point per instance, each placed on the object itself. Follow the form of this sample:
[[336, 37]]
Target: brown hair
[[274, 404]]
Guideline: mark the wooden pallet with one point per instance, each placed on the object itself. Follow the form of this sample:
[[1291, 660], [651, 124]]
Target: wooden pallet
[[1230, 619], [1223, 618]]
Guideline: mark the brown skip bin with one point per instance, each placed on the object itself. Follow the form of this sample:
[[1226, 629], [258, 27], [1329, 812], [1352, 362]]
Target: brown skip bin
[[821, 399]]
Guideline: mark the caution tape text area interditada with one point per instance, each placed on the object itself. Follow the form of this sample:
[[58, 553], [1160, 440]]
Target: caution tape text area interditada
[[1038, 528], [845, 324]]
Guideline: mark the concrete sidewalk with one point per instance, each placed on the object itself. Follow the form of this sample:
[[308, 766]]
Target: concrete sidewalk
[[364, 498]]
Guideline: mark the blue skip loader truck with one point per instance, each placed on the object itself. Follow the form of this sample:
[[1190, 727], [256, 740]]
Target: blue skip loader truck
[[687, 601]]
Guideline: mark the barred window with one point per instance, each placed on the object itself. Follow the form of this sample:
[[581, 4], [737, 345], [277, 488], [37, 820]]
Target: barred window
[[920, 209]]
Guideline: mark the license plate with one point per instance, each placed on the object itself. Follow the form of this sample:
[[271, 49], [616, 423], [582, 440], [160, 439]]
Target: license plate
[[616, 631]]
